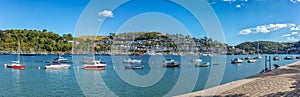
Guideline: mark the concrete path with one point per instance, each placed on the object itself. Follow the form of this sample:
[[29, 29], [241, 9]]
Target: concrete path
[[284, 81]]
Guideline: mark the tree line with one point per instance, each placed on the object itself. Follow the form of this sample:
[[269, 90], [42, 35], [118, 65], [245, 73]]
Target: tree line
[[34, 41], [267, 47]]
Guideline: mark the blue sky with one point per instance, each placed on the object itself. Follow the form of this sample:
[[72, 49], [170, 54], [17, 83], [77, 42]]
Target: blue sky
[[241, 20]]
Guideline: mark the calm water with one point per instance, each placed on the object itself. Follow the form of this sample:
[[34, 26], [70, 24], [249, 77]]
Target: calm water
[[153, 80]]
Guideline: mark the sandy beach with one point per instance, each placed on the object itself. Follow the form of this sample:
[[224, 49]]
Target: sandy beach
[[283, 81]]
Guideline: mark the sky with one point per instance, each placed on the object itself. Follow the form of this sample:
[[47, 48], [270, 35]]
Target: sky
[[240, 20]]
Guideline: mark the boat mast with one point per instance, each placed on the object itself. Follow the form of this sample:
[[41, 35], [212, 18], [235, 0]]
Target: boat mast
[[93, 48], [257, 47], [18, 51]]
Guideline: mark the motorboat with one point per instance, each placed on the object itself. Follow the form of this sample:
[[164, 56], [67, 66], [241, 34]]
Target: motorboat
[[97, 64], [57, 66], [236, 60], [169, 60], [197, 60], [276, 58], [247, 58], [170, 63], [251, 60], [257, 57], [202, 65], [288, 58], [131, 60]]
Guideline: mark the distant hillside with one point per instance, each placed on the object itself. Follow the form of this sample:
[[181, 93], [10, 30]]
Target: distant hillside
[[268, 47]]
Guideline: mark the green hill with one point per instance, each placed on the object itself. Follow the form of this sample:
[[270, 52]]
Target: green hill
[[34, 41]]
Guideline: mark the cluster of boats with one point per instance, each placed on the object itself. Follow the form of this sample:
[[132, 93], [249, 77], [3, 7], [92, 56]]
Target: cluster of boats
[[130, 63], [61, 63], [248, 59], [291, 58], [252, 60], [199, 63]]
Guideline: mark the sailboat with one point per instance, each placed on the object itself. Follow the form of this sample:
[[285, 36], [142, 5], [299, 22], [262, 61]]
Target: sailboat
[[16, 64], [258, 56], [276, 58]]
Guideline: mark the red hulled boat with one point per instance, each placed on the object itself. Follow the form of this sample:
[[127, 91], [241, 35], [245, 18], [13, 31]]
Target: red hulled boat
[[16, 65], [94, 65]]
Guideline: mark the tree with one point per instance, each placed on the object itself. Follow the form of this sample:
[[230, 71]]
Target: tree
[[44, 30], [67, 37]]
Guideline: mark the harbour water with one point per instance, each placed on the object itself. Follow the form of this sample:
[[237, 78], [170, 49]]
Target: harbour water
[[115, 80]]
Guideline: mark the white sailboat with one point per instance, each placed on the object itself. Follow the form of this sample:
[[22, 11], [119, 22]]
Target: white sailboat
[[258, 55], [16, 64]]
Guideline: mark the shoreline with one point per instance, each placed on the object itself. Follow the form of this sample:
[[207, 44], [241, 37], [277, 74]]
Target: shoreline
[[254, 82]]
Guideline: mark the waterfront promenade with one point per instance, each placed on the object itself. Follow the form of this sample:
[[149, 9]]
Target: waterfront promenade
[[284, 81]]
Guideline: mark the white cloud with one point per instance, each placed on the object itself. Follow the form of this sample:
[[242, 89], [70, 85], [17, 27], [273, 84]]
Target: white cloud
[[267, 28], [274, 27], [245, 31], [292, 25], [294, 36], [234, 3], [287, 35], [295, 28], [106, 13], [292, 39], [295, 1], [294, 33], [279, 26], [229, 0], [262, 29]]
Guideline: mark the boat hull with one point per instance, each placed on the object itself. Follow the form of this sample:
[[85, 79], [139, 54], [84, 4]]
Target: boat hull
[[57, 67], [236, 62], [201, 65], [16, 67], [93, 67], [171, 65], [251, 61]]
